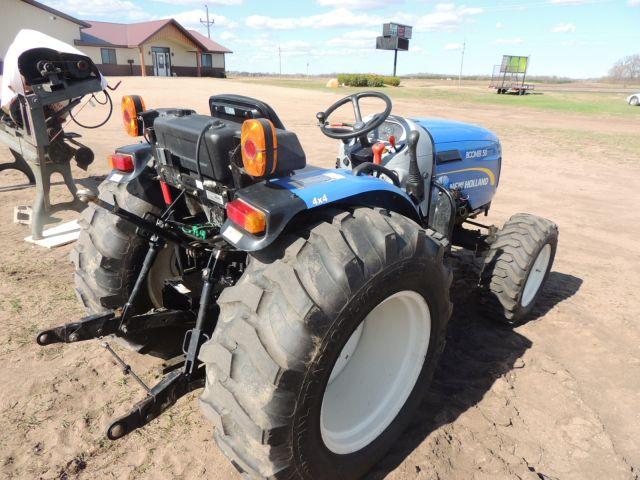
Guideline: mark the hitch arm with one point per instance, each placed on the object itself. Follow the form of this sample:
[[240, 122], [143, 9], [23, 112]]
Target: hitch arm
[[103, 324], [163, 395], [92, 326]]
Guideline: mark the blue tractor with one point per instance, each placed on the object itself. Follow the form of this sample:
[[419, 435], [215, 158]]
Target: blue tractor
[[310, 304]]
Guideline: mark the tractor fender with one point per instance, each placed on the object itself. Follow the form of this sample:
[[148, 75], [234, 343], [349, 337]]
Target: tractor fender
[[141, 154], [282, 199]]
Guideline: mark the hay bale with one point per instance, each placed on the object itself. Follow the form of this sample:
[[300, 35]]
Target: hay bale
[[333, 83]]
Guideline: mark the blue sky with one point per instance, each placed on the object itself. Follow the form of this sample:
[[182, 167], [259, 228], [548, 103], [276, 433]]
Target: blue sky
[[576, 38]]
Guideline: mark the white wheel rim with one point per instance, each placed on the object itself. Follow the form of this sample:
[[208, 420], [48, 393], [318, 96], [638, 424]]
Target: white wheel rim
[[165, 266], [536, 275], [375, 372]]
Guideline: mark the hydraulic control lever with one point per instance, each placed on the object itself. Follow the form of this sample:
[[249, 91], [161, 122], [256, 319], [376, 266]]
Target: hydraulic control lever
[[415, 182], [392, 142], [378, 150]]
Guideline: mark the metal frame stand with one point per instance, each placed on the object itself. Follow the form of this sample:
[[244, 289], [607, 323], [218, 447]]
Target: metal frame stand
[[21, 165], [42, 207], [29, 144]]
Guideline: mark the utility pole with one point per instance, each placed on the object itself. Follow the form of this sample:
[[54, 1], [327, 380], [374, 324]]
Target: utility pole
[[464, 45], [280, 58], [307, 68], [207, 22], [395, 61]]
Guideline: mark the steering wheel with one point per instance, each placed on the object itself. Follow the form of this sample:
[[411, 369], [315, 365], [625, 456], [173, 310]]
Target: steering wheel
[[347, 131]]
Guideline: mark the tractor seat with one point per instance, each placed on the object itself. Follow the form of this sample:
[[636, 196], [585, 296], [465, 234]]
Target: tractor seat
[[239, 108]]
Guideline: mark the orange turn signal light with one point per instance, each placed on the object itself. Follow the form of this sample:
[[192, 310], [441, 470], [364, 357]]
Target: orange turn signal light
[[246, 216], [132, 106], [259, 145]]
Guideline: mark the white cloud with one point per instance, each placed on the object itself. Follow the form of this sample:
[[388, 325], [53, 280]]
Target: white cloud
[[358, 39], [200, 2], [499, 26], [97, 9], [191, 19], [453, 46], [634, 3], [508, 41], [357, 4], [564, 28], [361, 34], [340, 17], [227, 35], [445, 17], [358, 43], [569, 2]]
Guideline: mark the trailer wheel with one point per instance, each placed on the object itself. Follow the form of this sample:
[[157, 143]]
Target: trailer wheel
[[325, 346], [516, 266], [108, 254]]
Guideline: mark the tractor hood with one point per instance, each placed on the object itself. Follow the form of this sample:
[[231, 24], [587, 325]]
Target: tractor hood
[[467, 157], [446, 131]]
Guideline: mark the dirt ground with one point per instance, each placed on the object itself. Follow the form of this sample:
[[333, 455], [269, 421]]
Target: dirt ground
[[556, 398]]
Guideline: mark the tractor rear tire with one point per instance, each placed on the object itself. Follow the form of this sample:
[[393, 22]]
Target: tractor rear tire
[[299, 360], [516, 267], [109, 254]]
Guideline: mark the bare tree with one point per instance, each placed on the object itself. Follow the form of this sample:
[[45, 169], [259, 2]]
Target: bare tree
[[626, 69]]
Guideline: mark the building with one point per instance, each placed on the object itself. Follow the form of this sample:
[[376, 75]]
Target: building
[[18, 14], [159, 47]]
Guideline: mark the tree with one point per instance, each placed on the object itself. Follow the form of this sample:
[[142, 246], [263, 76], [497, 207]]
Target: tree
[[626, 69]]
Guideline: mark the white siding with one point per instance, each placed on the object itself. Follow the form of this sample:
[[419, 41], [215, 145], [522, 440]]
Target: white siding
[[180, 55], [122, 54], [16, 15]]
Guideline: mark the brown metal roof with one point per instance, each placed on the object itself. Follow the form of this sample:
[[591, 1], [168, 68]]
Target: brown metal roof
[[58, 13], [212, 47], [135, 34]]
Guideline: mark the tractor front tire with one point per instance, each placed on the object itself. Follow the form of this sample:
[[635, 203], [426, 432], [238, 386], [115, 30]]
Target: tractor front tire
[[325, 346], [516, 267], [634, 101]]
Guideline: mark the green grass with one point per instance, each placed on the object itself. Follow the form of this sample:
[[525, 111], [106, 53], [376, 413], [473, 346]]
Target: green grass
[[589, 103]]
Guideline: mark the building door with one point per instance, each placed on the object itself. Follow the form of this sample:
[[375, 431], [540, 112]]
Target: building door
[[161, 57]]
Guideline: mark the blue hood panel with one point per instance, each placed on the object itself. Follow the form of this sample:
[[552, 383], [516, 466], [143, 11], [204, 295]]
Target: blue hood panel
[[446, 131], [471, 158]]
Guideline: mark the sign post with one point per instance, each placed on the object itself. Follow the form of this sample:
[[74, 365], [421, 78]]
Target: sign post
[[394, 37]]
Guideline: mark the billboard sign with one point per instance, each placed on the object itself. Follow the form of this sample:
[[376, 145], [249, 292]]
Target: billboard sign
[[514, 64], [392, 43], [397, 30]]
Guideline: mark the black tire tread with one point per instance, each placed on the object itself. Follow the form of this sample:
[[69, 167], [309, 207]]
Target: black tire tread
[[106, 255], [506, 264], [272, 319]]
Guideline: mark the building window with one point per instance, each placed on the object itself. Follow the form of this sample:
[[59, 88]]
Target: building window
[[108, 56], [207, 61]]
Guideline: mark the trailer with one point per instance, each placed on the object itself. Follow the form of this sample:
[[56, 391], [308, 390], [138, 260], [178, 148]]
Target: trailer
[[509, 76]]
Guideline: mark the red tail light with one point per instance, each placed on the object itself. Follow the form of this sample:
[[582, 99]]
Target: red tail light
[[121, 161], [246, 216]]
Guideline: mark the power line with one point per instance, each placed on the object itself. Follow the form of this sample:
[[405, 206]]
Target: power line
[[208, 22]]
